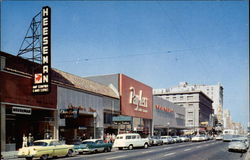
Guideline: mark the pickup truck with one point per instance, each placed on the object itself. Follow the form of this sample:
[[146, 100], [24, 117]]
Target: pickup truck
[[130, 141], [93, 145]]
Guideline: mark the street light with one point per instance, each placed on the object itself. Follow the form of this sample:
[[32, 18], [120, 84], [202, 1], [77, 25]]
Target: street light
[[94, 115]]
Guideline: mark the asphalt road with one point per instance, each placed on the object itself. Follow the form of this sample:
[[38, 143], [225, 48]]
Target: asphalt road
[[209, 150]]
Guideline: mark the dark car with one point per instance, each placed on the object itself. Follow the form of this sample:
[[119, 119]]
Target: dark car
[[93, 145]]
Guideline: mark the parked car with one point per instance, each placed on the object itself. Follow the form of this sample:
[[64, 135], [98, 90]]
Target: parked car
[[130, 141], [238, 144], [205, 137], [227, 137], [184, 138], [218, 138], [167, 139], [45, 149], [155, 140], [177, 139], [197, 138], [93, 145]]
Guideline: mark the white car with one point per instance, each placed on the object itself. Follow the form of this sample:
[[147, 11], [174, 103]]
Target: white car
[[197, 138], [130, 141], [166, 139], [218, 138], [237, 145]]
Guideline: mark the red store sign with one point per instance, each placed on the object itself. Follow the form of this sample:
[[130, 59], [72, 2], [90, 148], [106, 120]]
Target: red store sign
[[136, 98], [165, 109]]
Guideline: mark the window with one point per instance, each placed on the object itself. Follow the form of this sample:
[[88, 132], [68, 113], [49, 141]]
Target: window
[[128, 137], [174, 98], [181, 97], [190, 105], [133, 137], [189, 97], [119, 137]]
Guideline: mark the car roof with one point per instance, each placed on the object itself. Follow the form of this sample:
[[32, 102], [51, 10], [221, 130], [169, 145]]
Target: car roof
[[46, 140], [127, 134], [92, 140]]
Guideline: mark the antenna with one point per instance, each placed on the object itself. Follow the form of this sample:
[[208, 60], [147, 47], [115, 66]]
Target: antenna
[[31, 47]]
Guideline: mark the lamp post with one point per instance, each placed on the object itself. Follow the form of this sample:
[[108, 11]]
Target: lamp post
[[94, 115]]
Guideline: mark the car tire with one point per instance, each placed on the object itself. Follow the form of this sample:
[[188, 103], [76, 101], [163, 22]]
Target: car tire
[[146, 145], [130, 147], [44, 157], [70, 153], [109, 149]]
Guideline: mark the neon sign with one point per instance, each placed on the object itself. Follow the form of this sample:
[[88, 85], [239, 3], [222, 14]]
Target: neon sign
[[42, 80]]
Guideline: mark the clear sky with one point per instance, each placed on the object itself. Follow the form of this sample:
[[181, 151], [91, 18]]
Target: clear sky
[[159, 43]]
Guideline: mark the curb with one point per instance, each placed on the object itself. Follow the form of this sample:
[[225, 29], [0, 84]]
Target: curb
[[248, 155]]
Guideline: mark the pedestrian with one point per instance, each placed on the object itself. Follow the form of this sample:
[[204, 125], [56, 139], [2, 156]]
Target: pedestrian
[[30, 140], [25, 144], [113, 137], [84, 136]]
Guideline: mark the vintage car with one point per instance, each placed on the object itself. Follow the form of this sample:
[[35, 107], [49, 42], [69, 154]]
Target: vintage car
[[155, 140], [198, 138], [238, 145], [93, 145], [130, 141], [45, 149]]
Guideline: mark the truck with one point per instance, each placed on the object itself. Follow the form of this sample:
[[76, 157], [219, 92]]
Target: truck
[[130, 141]]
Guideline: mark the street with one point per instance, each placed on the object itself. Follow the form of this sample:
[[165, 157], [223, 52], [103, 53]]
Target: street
[[208, 150]]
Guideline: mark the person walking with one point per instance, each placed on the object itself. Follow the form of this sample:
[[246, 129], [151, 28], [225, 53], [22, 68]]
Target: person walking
[[25, 144], [30, 140]]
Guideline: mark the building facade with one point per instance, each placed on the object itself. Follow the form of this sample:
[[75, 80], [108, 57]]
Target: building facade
[[136, 102], [168, 118], [23, 113], [74, 107], [198, 106], [214, 92]]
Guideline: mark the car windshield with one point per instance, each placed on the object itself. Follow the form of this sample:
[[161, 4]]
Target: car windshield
[[40, 144], [87, 142]]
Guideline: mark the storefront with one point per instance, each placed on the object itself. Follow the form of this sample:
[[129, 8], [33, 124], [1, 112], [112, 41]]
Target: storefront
[[81, 106], [135, 102], [169, 119], [23, 113]]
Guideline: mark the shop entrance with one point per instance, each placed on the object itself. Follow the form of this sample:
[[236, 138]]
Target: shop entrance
[[79, 128], [40, 124]]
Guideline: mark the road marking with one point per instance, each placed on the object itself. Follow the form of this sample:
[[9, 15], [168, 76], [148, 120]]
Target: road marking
[[198, 147], [148, 151], [187, 149], [168, 147], [116, 157], [169, 154]]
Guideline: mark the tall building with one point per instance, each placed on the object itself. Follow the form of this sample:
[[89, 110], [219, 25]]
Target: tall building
[[214, 92], [198, 106], [227, 119]]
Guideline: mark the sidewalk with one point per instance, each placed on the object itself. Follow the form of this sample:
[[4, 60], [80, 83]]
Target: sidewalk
[[248, 155], [9, 155]]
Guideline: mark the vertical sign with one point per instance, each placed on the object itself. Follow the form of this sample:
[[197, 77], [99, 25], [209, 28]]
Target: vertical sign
[[42, 80]]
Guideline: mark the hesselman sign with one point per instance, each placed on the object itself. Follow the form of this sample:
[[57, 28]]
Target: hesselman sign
[[42, 81]]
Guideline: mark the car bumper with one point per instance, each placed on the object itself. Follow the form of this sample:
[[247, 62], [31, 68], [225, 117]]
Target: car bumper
[[25, 156]]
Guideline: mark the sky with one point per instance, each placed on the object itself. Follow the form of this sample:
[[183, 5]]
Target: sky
[[159, 43]]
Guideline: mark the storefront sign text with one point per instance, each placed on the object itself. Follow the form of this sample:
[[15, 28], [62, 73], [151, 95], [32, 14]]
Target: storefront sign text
[[165, 109], [21, 110], [42, 80], [138, 100]]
